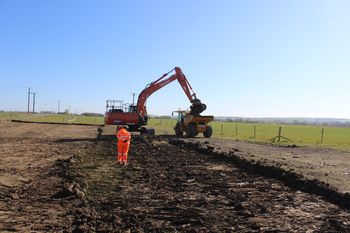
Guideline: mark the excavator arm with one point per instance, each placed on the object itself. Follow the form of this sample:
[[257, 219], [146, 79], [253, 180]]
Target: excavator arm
[[196, 108]]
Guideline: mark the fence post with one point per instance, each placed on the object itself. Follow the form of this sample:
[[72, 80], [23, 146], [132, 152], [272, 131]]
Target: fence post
[[279, 133], [254, 136], [236, 130], [222, 128], [322, 133]]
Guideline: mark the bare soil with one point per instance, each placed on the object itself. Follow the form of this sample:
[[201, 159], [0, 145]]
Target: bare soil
[[29, 177], [57, 178]]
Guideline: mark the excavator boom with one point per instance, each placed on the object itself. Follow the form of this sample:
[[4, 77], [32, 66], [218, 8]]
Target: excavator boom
[[161, 82]]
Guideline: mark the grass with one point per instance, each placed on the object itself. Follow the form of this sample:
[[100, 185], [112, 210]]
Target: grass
[[308, 135], [302, 135], [60, 118]]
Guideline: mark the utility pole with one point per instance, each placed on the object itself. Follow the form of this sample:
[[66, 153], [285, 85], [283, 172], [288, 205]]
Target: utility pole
[[33, 102], [133, 98], [58, 108], [28, 100]]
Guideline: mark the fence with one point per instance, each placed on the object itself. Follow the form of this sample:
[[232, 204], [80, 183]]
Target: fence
[[299, 134], [293, 134]]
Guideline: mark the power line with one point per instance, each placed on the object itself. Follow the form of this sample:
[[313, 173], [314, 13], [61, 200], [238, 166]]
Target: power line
[[69, 90], [8, 88]]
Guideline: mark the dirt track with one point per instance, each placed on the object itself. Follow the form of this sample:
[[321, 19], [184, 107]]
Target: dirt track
[[66, 181]]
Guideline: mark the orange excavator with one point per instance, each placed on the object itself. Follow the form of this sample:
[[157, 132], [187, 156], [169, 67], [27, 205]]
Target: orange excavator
[[135, 116]]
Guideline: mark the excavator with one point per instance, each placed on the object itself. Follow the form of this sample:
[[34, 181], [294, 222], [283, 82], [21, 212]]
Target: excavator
[[135, 116]]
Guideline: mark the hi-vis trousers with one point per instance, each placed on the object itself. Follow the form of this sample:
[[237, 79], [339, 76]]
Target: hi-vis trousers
[[123, 149]]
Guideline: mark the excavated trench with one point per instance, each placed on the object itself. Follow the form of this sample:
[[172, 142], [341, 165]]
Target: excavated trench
[[289, 178], [188, 187]]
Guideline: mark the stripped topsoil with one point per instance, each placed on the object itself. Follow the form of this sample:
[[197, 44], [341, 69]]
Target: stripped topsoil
[[75, 185]]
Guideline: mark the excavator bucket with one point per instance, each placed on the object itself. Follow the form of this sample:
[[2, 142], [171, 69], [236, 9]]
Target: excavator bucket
[[197, 107]]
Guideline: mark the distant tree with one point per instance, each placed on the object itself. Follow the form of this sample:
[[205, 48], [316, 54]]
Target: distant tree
[[47, 112], [162, 117]]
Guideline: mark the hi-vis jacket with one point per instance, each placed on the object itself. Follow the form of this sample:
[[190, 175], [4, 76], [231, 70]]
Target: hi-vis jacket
[[123, 136]]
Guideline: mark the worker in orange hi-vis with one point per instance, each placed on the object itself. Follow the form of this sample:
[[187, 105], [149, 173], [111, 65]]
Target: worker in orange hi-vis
[[124, 138]]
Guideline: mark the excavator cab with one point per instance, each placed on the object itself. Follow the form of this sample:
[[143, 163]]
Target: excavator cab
[[120, 113], [132, 108], [119, 106], [192, 125], [114, 106]]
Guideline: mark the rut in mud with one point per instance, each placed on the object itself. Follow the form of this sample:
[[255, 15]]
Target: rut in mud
[[166, 188]]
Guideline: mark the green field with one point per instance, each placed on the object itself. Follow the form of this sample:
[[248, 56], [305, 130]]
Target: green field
[[309, 135], [60, 118]]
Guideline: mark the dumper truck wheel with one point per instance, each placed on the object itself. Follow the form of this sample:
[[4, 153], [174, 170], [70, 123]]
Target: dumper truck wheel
[[208, 132], [178, 129], [191, 131]]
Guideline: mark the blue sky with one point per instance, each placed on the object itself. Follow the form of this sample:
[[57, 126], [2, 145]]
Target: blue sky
[[242, 58]]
